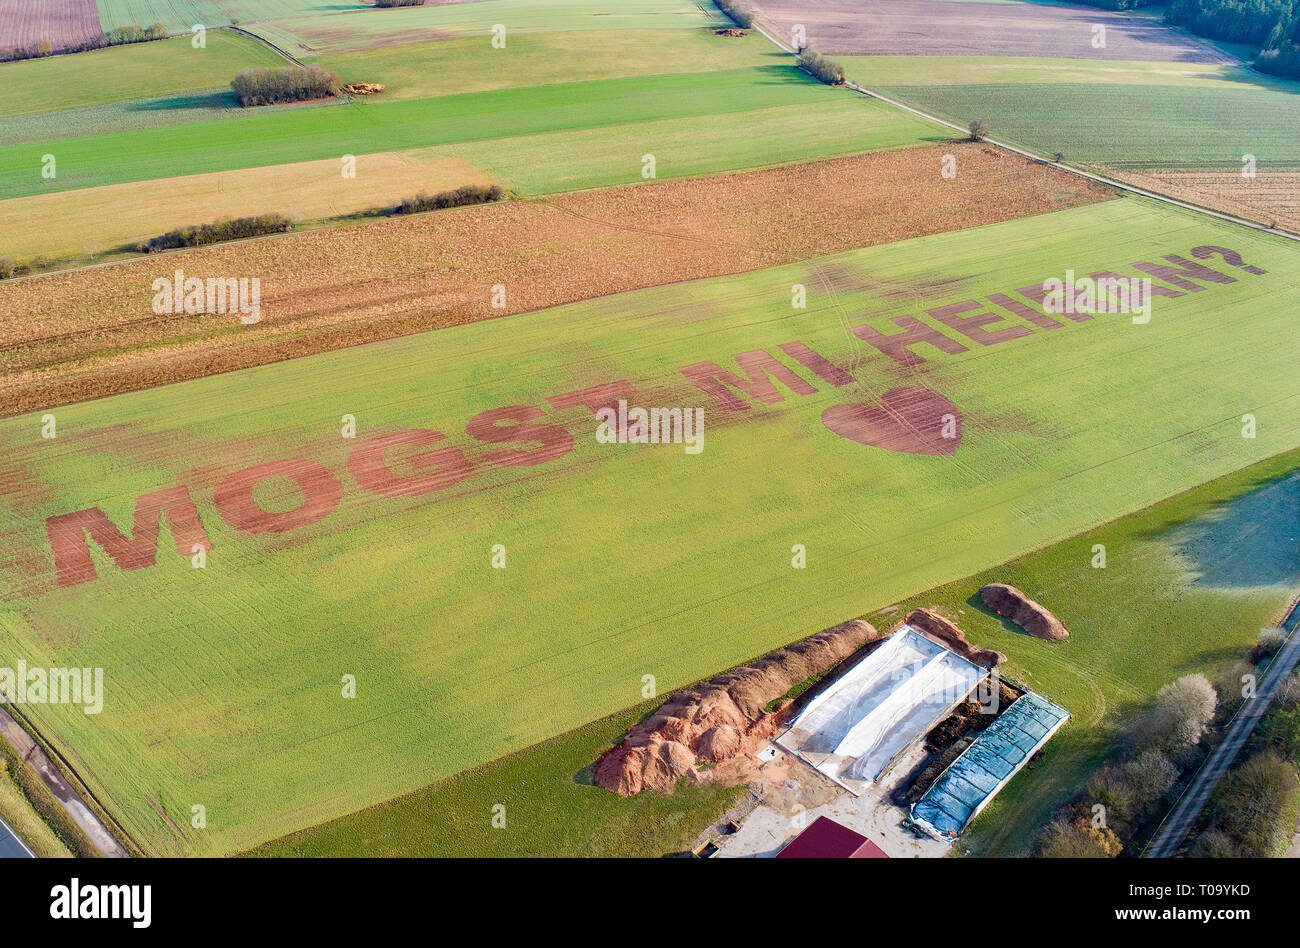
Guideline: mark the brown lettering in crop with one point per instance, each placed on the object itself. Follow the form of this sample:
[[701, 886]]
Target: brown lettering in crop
[[234, 496], [1038, 293], [70, 535], [824, 369], [1104, 277], [1024, 312], [1182, 275], [433, 470], [554, 442], [896, 345], [757, 365], [975, 327], [605, 395]]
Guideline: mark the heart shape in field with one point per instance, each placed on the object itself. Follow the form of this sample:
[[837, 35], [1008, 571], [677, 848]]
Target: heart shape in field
[[911, 420]]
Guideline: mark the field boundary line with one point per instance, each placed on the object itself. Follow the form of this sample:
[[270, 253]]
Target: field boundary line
[[18, 839], [32, 752], [1165, 841], [1092, 176], [261, 39]]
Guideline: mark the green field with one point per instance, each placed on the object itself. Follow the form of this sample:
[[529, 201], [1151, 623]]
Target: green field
[[122, 73], [446, 67], [1117, 113], [1146, 601], [181, 15], [621, 119], [318, 35], [224, 683]]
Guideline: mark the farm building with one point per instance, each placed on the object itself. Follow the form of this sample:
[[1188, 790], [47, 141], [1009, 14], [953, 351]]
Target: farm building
[[826, 839]]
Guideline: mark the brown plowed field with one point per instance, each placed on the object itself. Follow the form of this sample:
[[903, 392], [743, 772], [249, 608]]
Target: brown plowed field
[[947, 28], [90, 333], [58, 22]]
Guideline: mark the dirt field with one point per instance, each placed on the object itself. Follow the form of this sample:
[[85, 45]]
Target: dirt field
[[93, 332], [58, 22], [95, 220], [1271, 197], [943, 27]]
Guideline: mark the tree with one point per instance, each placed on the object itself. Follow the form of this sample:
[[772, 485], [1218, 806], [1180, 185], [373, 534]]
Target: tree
[[1149, 777], [978, 129], [1187, 706]]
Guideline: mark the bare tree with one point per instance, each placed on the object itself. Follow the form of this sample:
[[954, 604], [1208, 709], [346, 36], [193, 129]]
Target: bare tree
[[978, 129]]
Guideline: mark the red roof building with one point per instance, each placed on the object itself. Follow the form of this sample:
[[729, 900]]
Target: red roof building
[[826, 839]]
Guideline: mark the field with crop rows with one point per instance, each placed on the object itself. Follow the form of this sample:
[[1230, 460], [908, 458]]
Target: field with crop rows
[[57, 22], [678, 564], [371, 29]]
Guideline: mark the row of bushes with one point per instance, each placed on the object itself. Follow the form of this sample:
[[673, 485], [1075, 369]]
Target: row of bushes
[[287, 84], [822, 67], [226, 229], [742, 14], [460, 197], [1120, 797], [118, 36]]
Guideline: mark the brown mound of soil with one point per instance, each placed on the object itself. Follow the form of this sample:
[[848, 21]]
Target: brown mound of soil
[[724, 718], [718, 743], [1029, 615], [364, 88], [729, 31], [948, 634]]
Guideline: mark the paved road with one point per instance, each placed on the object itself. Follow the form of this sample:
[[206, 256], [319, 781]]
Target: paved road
[[11, 847], [1174, 829]]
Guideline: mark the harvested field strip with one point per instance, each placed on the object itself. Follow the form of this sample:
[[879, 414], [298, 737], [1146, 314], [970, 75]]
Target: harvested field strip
[[894, 71], [92, 333], [99, 219], [123, 73], [58, 22], [1061, 431], [180, 15], [1272, 196], [378, 28], [307, 134]]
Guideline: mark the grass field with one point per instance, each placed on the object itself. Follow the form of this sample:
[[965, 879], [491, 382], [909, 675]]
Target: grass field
[[318, 35], [552, 810], [1062, 431], [121, 73], [1119, 114], [1145, 601], [607, 128], [181, 15]]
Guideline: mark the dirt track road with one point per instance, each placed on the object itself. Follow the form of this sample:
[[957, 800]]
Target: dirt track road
[[1175, 827]]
